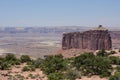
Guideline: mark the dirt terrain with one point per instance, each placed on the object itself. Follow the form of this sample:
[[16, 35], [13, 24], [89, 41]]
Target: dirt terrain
[[35, 45], [39, 44], [16, 73]]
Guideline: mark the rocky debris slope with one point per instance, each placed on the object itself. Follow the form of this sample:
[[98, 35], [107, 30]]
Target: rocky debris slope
[[96, 39]]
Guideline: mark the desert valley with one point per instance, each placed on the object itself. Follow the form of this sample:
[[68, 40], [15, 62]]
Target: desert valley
[[33, 46]]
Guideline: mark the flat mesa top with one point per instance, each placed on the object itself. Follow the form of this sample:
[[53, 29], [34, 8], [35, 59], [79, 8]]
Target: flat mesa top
[[100, 27]]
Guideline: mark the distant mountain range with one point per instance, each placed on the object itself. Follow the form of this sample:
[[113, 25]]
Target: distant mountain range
[[59, 29]]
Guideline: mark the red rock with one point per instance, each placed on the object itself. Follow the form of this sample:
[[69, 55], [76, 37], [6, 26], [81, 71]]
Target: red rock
[[96, 39]]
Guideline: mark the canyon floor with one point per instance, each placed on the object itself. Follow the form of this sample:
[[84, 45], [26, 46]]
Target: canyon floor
[[37, 45]]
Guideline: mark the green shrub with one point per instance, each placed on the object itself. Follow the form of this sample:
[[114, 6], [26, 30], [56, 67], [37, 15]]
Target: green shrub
[[25, 58], [38, 62], [80, 60], [17, 62], [115, 77], [89, 65], [56, 76], [30, 62], [32, 76], [28, 68], [114, 60], [118, 68], [52, 64], [10, 57], [102, 53], [32, 68], [1, 60], [5, 66], [72, 74]]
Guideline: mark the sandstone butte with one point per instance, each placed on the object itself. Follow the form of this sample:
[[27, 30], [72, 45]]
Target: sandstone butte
[[95, 39]]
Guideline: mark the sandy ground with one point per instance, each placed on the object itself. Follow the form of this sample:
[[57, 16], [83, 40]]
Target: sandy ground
[[17, 70], [3, 51], [72, 52], [35, 45], [92, 78]]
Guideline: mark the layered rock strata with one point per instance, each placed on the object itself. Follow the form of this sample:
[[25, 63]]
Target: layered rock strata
[[92, 40]]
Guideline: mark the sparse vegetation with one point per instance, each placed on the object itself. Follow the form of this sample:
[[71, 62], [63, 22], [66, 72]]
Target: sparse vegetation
[[114, 60], [72, 74], [112, 52], [10, 59], [28, 68], [102, 53], [90, 64], [25, 58], [56, 67], [5, 65], [56, 76], [116, 75], [53, 64]]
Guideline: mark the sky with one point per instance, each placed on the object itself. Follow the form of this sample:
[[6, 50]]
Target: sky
[[59, 13]]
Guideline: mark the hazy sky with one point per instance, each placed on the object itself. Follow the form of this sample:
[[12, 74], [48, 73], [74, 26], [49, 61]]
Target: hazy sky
[[59, 12]]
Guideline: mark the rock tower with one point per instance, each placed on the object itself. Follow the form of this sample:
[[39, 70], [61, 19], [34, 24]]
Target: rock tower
[[95, 39]]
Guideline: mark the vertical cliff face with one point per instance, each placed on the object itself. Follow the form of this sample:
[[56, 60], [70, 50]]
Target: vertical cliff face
[[96, 39]]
